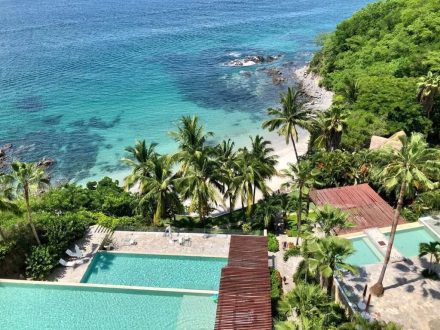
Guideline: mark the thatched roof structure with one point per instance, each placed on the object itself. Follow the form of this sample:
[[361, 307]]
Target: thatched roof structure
[[378, 142]]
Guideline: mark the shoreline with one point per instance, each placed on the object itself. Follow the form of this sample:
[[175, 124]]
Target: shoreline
[[320, 99]]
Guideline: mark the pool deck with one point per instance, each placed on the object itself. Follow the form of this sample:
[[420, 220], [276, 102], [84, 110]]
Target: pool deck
[[89, 245], [409, 299], [146, 243]]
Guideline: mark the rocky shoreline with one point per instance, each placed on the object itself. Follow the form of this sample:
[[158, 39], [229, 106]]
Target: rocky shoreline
[[319, 98]]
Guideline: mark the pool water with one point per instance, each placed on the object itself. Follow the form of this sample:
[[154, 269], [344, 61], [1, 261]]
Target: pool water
[[365, 252], [407, 241], [182, 272], [38, 306]]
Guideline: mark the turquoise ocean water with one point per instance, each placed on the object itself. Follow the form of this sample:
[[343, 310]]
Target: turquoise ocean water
[[80, 80]]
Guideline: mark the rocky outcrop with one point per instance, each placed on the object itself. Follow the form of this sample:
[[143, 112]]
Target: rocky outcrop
[[46, 162], [253, 60]]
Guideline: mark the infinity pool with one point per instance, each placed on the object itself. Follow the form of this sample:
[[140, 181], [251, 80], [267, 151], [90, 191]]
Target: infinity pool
[[39, 306], [407, 241], [182, 272], [365, 252]]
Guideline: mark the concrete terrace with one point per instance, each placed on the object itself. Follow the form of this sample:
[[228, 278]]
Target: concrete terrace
[[146, 243], [409, 299]]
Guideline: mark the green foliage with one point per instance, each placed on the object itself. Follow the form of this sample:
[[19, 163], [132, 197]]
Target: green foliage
[[104, 196], [276, 285], [60, 231], [40, 262], [331, 219], [373, 61], [6, 248], [312, 305], [272, 243]]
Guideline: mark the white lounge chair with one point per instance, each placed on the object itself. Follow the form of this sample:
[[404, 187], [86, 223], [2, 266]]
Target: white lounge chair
[[78, 251], [72, 254], [68, 263]]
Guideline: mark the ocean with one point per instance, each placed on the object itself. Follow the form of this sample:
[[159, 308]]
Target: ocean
[[82, 79]]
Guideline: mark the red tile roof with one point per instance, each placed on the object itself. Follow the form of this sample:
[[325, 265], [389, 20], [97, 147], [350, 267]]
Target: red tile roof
[[244, 296], [365, 207]]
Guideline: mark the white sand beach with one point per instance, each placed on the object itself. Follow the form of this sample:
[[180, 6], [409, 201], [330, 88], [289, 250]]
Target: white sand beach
[[321, 100]]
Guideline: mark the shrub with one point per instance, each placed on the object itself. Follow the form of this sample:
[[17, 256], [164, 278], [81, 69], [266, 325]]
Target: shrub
[[5, 248], [430, 274], [246, 227], [40, 262], [62, 230], [272, 244], [276, 288]]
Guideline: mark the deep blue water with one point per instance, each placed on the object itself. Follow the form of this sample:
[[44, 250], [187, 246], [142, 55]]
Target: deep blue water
[[80, 80]]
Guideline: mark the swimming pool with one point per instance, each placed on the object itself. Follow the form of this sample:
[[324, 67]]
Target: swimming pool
[[407, 241], [365, 252], [182, 272], [42, 306]]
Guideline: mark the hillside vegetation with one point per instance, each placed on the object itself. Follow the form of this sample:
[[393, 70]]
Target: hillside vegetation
[[374, 62]]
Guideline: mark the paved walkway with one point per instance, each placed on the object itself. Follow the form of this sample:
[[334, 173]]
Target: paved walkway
[[156, 243], [409, 299], [89, 245], [286, 268]]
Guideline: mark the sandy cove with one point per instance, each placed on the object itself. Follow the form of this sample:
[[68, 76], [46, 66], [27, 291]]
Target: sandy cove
[[320, 100]]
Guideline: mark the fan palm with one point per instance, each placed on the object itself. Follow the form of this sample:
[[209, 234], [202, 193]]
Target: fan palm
[[433, 250], [160, 187], [331, 218], [139, 160], [301, 176], [428, 89], [328, 257], [415, 167], [27, 176], [287, 118]]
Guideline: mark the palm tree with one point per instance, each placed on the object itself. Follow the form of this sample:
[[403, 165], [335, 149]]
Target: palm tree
[[328, 257], [414, 167], [226, 159], [433, 250], [263, 158], [288, 118], [26, 176], [301, 175], [198, 182], [139, 160], [191, 138], [159, 186], [331, 218], [255, 166], [428, 89], [6, 198], [327, 129], [350, 90]]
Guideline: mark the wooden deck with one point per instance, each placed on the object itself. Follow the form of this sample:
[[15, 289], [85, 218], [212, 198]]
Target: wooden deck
[[244, 295]]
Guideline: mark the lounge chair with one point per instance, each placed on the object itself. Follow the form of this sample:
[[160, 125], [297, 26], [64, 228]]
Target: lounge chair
[[70, 263], [78, 251], [72, 254]]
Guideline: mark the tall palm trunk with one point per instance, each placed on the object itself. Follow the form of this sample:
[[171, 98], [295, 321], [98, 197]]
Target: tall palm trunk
[[294, 146], [298, 215], [28, 207], [377, 289], [330, 285]]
